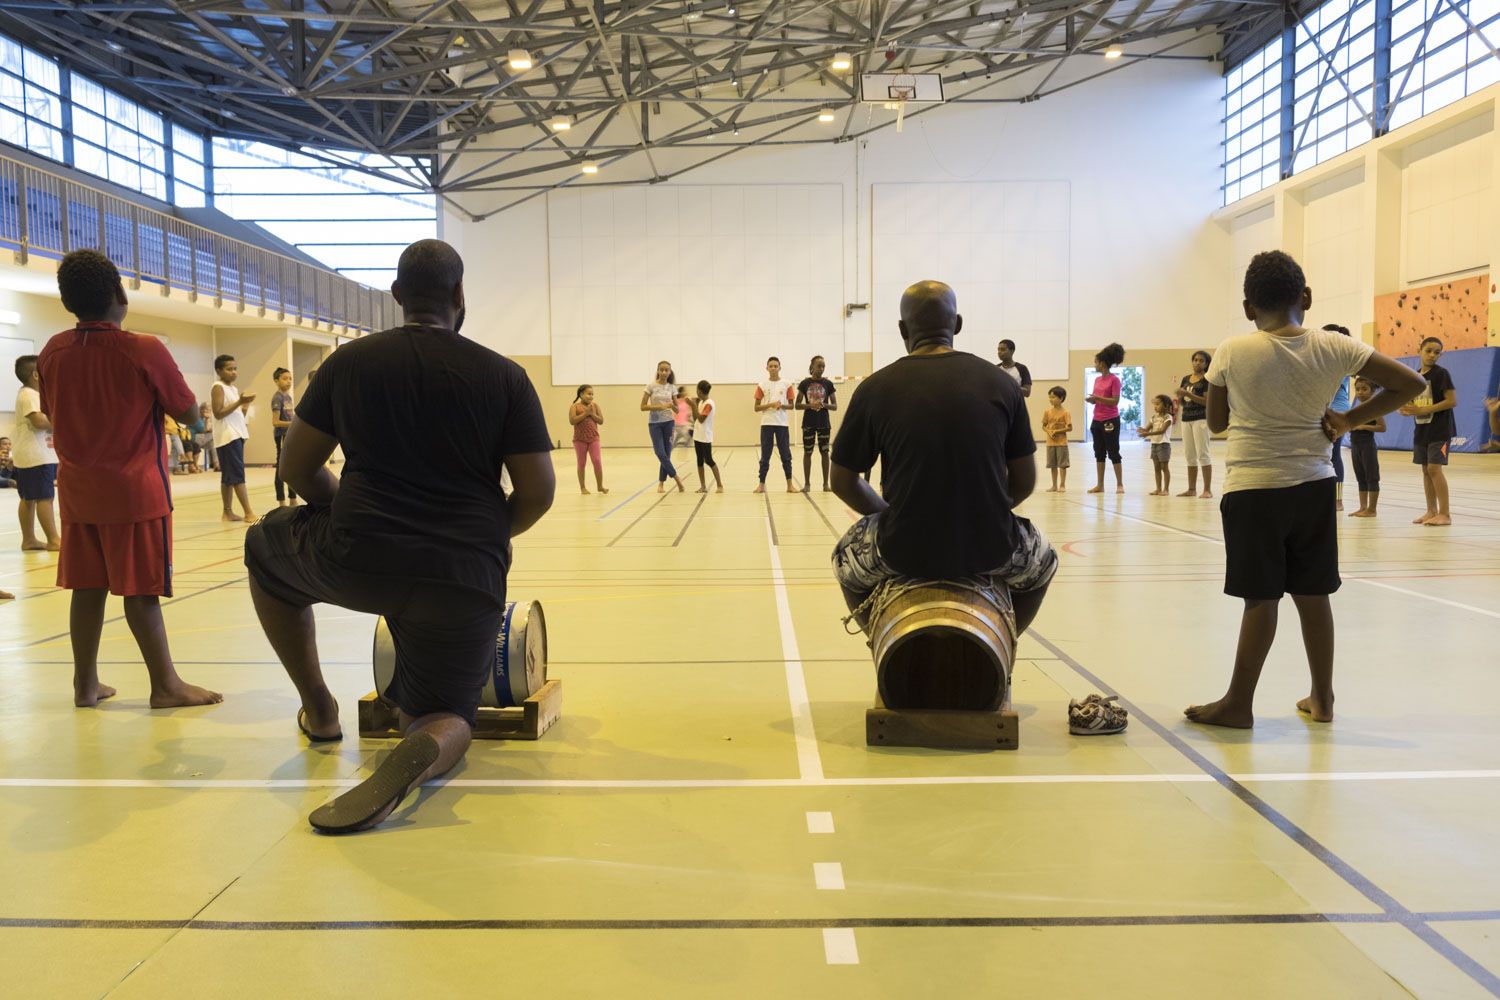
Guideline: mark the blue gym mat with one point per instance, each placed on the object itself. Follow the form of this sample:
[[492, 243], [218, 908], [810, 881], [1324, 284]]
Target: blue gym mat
[[1476, 374]]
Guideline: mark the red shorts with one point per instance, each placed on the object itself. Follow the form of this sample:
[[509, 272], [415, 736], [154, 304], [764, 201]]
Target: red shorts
[[131, 560]]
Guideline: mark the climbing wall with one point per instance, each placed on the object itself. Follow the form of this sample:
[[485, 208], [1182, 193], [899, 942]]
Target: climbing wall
[[1457, 312]]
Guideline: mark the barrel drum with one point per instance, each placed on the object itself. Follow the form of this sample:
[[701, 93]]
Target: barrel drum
[[944, 646], [520, 667]]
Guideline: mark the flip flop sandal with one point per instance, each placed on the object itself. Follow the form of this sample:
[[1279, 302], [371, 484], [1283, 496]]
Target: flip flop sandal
[[311, 736], [375, 798]]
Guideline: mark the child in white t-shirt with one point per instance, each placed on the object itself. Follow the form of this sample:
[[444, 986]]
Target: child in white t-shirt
[[35, 462], [703, 442], [773, 398], [1158, 431]]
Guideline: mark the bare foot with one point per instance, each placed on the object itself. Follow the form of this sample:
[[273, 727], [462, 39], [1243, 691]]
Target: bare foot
[[1052, 489], [1439, 521], [719, 489], [90, 698], [761, 488], [1187, 493], [661, 487], [1119, 489], [1363, 512], [1320, 711], [603, 490], [230, 515], [54, 546], [1423, 519], [249, 516], [7, 596], [33, 546], [1205, 495], [792, 488], [281, 503], [1220, 713], [1338, 505], [184, 695], [1096, 489], [827, 488], [701, 489], [584, 492]]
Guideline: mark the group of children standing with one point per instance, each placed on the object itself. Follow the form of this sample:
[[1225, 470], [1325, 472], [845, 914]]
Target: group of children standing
[[674, 418], [1432, 412]]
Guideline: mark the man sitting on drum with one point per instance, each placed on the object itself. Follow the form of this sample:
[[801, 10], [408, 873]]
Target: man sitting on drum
[[418, 528], [956, 451]]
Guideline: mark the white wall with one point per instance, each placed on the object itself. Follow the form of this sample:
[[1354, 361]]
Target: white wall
[[1249, 233], [1138, 151], [1333, 230], [1445, 192]]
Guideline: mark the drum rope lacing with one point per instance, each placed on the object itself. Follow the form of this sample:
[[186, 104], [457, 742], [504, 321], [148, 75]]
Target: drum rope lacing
[[888, 590]]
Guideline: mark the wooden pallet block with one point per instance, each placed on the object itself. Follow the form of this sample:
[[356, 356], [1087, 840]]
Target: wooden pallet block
[[943, 729], [528, 721]]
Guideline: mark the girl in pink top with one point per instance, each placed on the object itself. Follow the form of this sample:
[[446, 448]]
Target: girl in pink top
[[682, 419], [1105, 428], [585, 416]]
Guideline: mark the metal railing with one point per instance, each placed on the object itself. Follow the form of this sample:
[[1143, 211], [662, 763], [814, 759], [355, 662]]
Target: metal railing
[[46, 215]]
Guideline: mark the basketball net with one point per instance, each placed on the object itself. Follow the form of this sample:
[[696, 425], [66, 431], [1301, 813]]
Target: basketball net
[[900, 93]]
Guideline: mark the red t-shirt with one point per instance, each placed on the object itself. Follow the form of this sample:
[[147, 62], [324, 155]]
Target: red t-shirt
[[105, 391]]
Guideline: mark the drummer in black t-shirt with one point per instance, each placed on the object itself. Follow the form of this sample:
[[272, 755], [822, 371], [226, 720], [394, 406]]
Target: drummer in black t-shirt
[[418, 528], [816, 397], [955, 445]]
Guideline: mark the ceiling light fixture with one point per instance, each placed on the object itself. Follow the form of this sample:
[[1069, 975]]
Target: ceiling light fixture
[[1114, 52], [590, 167], [826, 115], [693, 13], [114, 46], [561, 123], [842, 62], [520, 60]]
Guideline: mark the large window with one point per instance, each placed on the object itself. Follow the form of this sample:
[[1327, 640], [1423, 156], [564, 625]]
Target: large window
[[1252, 124], [30, 100], [1439, 51], [1335, 84], [354, 222], [189, 172], [118, 139]]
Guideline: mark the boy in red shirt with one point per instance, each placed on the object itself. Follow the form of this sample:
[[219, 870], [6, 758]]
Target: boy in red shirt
[[106, 391]]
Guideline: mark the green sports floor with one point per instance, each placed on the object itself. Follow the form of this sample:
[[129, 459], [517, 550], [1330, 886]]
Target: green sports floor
[[706, 820]]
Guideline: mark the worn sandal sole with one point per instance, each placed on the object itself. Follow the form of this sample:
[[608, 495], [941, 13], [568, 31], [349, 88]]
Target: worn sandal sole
[[1078, 731], [369, 802]]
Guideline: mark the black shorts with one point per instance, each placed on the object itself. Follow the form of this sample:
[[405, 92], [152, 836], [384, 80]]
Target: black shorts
[[232, 463], [444, 634], [1425, 451], [812, 436], [1281, 541], [38, 482]]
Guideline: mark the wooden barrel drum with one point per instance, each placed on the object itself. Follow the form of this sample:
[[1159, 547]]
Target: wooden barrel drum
[[520, 667], [944, 646]]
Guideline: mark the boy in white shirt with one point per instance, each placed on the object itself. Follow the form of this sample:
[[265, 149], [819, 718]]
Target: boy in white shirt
[[703, 442], [773, 397], [1270, 390], [35, 461]]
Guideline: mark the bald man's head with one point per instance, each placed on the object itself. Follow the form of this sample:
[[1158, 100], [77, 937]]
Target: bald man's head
[[428, 278], [929, 312]]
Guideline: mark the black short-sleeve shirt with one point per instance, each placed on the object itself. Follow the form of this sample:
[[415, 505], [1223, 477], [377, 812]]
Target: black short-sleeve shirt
[[425, 417], [1198, 386], [1442, 426], [943, 427], [813, 389]]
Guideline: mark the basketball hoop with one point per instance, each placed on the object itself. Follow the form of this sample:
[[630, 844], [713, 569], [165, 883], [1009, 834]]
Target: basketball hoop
[[901, 90]]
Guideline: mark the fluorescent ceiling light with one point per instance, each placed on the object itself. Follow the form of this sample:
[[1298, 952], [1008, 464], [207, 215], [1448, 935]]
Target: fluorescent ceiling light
[[561, 123], [842, 62], [590, 167], [1113, 52], [520, 60], [826, 115]]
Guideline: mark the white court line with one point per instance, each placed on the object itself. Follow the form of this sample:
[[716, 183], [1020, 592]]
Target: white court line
[[820, 822], [1352, 579], [838, 946], [828, 875], [1151, 778], [809, 762]]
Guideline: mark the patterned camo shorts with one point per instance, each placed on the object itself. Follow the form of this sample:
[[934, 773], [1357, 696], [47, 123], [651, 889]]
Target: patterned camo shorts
[[860, 569]]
